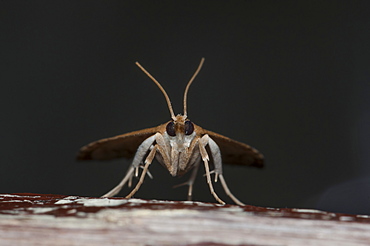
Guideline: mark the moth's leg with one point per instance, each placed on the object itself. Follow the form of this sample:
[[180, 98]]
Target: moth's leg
[[136, 174], [164, 151], [203, 152], [195, 158], [147, 172], [115, 190], [161, 147], [142, 150], [216, 155], [130, 182], [139, 156], [191, 180], [148, 161], [228, 192]]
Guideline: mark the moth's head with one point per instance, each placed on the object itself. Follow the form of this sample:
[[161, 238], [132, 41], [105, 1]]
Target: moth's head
[[180, 126]]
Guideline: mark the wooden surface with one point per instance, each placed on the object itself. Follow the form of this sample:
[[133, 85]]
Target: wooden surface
[[37, 219]]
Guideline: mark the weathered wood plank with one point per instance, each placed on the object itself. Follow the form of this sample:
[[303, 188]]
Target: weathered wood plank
[[35, 219]]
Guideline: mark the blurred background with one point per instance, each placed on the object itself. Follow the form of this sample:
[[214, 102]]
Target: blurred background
[[290, 78]]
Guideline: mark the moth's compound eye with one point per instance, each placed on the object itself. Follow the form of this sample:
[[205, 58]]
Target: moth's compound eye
[[189, 127], [170, 129]]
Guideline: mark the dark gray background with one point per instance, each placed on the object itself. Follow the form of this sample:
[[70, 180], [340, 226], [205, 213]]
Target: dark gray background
[[290, 78]]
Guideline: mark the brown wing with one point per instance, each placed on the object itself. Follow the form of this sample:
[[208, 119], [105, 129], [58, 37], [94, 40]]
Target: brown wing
[[124, 145], [234, 152]]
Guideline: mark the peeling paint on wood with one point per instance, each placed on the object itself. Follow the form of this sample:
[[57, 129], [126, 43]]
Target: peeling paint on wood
[[37, 219]]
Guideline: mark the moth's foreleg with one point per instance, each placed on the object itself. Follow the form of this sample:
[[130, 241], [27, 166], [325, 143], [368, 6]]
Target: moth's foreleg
[[139, 156], [164, 150], [216, 155], [203, 152], [148, 161], [127, 177], [142, 150]]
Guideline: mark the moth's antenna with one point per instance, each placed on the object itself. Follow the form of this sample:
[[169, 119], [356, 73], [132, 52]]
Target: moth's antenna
[[188, 85], [160, 87]]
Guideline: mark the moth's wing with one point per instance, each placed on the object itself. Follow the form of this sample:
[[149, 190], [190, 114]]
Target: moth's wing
[[234, 152], [124, 145]]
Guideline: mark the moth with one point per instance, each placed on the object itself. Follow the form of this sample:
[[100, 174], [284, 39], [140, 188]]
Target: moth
[[179, 145]]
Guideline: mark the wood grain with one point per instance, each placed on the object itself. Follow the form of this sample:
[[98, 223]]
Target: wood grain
[[38, 219]]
